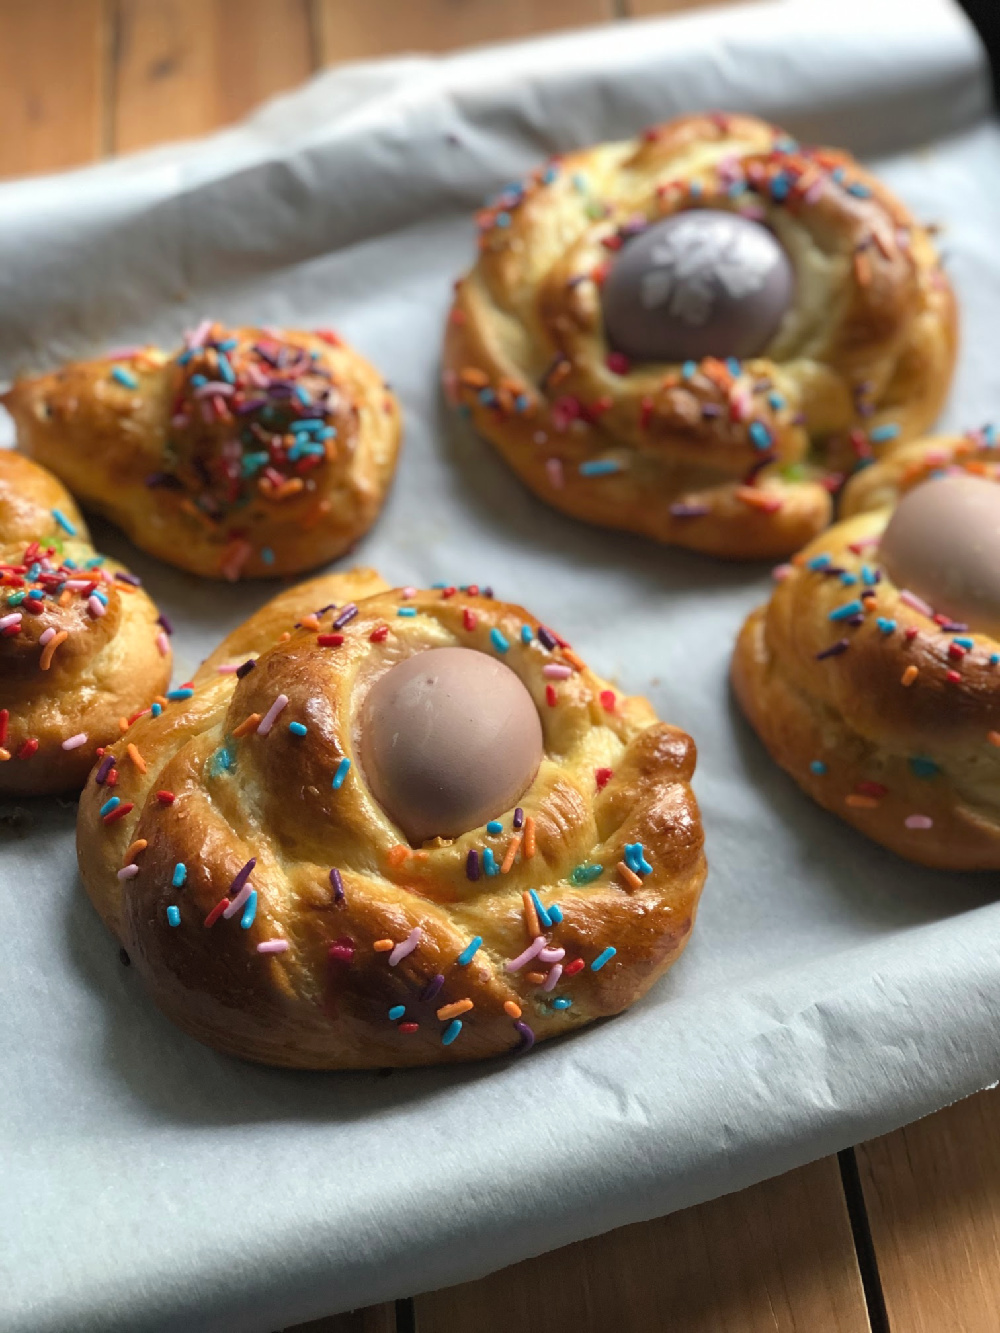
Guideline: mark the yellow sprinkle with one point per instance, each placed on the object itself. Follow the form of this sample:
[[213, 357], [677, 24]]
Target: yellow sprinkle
[[512, 847], [448, 1011], [138, 846], [136, 758], [248, 724], [909, 675], [384, 946], [512, 1009], [629, 876], [48, 652], [529, 837]]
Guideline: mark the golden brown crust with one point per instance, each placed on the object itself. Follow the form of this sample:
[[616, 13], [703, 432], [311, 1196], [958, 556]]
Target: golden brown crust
[[892, 731], [80, 647], [611, 775], [736, 465], [884, 483], [203, 462]]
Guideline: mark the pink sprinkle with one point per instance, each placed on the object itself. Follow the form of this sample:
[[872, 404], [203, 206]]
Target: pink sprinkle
[[197, 336], [556, 671], [551, 955], [162, 644], [554, 472], [554, 974], [124, 353], [918, 604], [215, 388], [227, 669], [781, 572], [270, 717], [77, 584], [237, 904], [128, 872], [406, 947], [814, 191], [46, 636], [272, 946], [95, 606], [12, 619], [918, 821], [408, 592], [533, 949], [74, 742]]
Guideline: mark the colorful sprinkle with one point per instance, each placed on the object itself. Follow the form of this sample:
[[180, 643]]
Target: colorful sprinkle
[[470, 951], [604, 957], [64, 522], [498, 641], [343, 768], [406, 947], [247, 919], [451, 1032], [273, 946], [173, 916], [269, 718]]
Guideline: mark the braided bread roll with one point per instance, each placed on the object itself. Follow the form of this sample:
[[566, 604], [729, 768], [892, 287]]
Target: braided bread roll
[[858, 678], [247, 454], [80, 646], [734, 457], [276, 910]]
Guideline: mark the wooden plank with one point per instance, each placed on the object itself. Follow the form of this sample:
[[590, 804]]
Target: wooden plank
[[361, 30], [932, 1193], [53, 67], [187, 66], [373, 1319], [777, 1258]]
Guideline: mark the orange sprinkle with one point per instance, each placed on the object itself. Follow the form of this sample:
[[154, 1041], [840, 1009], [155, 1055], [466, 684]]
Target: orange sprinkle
[[862, 268], [309, 622], [248, 724], [511, 1009], [993, 737], [909, 675], [64, 597], [536, 978], [138, 846], [529, 837], [862, 802], [48, 652], [757, 498], [508, 859], [4, 755], [573, 660], [162, 700], [629, 876], [123, 724], [475, 378], [397, 855], [530, 915], [453, 1010], [283, 638], [136, 758], [384, 946]]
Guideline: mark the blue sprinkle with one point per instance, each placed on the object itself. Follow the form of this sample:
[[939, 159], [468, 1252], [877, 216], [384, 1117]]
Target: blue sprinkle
[[301, 395], [543, 916], [198, 380], [994, 659], [110, 804], [156, 709], [636, 860], [968, 644], [180, 875], [306, 424], [406, 611], [923, 768], [125, 377], [267, 555], [886, 625], [775, 401], [175, 695], [818, 562], [64, 522], [227, 345], [451, 1032], [600, 467], [585, 874], [818, 767], [879, 434], [848, 580], [487, 397], [251, 463], [869, 576], [396, 1012], [341, 774], [526, 634], [494, 826], [760, 435], [603, 958], [470, 951], [859, 190], [225, 369], [502, 219], [498, 641], [222, 761], [694, 189], [733, 366], [561, 1003], [250, 911], [736, 189], [688, 369], [549, 175], [173, 916], [297, 729], [489, 862], [555, 913], [846, 611]]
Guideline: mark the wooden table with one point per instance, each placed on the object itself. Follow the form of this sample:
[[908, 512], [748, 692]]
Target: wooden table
[[900, 1233]]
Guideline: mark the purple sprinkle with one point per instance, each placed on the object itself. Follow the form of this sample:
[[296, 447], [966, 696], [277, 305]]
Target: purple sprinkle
[[104, 768], [432, 988], [688, 511], [241, 878], [711, 410], [518, 817], [337, 884], [527, 1037], [487, 592], [953, 627], [245, 668], [834, 650], [348, 613], [855, 621], [129, 578], [330, 606], [166, 622], [472, 864], [546, 638], [832, 569]]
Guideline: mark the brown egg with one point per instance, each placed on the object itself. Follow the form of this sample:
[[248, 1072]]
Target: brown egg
[[943, 543], [450, 738]]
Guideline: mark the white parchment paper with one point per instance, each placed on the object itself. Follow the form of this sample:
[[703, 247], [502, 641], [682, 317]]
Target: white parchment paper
[[831, 991]]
